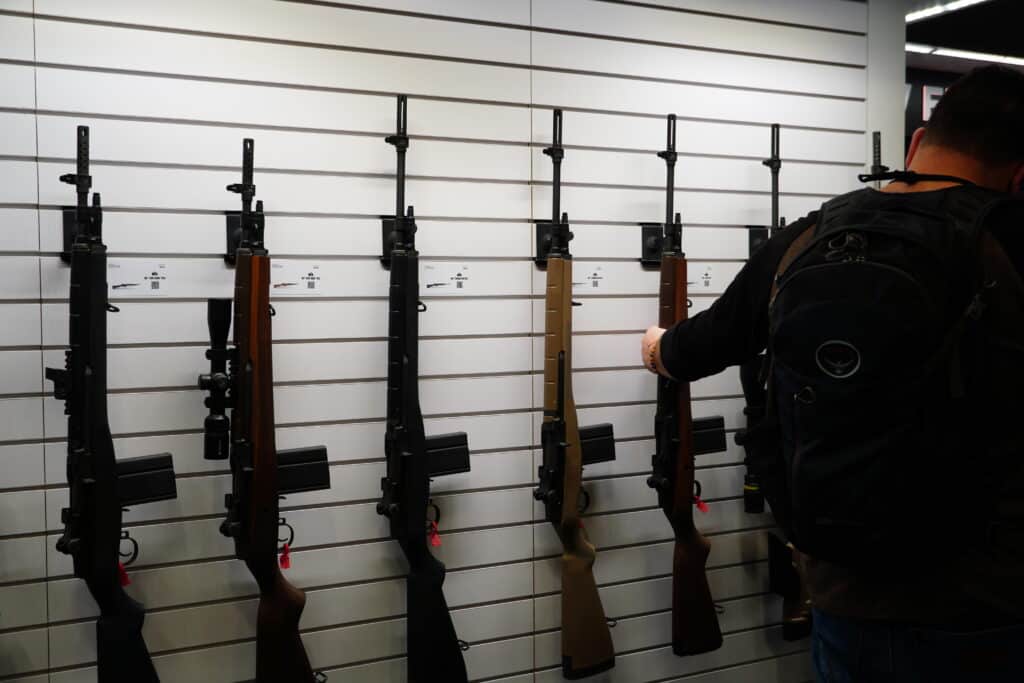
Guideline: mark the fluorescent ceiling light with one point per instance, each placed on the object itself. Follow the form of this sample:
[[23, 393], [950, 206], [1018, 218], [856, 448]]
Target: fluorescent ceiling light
[[964, 54], [941, 8]]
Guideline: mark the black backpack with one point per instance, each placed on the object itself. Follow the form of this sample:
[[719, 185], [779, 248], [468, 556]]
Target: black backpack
[[875, 345]]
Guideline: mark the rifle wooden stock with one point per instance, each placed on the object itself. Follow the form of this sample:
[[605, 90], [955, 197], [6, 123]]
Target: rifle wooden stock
[[586, 640], [694, 618], [280, 655]]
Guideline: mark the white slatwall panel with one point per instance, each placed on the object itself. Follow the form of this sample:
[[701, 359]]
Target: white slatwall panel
[[169, 92]]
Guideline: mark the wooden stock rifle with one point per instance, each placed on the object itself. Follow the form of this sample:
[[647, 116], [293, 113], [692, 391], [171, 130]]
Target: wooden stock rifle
[[586, 640], [678, 439], [241, 378]]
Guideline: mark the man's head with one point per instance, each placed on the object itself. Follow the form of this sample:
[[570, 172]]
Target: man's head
[[977, 128]]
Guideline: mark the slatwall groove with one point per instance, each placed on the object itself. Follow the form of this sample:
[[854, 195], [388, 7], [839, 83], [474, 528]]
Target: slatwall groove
[[313, 83]]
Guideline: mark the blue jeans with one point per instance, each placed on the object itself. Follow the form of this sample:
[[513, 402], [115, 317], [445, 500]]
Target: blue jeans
[[855, 651]]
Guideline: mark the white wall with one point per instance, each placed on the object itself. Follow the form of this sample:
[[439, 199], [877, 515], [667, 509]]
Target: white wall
[[170, 89]]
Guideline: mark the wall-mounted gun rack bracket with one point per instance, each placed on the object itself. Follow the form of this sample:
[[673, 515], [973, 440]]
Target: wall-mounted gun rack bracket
[[448, 454], [652, 237], [387, 240], [233, 232], [757, 238], [68, 217], [543, 243]]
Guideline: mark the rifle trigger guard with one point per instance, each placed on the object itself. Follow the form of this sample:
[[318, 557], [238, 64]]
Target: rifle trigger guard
[[291, 532], [272, 311], [463, 645], [421, 307], [431, 505], [585, 495], [696, 488], [111, 308], [131, 556], [689, 303], [612, 623]]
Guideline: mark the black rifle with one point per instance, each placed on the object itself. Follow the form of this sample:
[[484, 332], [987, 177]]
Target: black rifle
[[100, 486], [760, 441], [877, 167], [434, 650], [241, 378]]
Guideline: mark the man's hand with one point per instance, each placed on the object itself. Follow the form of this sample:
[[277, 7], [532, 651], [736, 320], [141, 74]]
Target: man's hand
[[650, 350]]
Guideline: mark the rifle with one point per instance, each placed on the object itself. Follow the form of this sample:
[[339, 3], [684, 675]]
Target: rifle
[[760, 442], [678, 439], [241, 379], [434, 650], [100, 486], [586, 640], [876, 157]]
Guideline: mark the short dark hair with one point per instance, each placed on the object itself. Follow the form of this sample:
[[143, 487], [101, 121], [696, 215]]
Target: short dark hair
[[982, 115]]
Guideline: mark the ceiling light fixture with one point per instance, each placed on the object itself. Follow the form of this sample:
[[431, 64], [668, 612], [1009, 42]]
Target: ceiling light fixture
[[964, 54], [941, 8]]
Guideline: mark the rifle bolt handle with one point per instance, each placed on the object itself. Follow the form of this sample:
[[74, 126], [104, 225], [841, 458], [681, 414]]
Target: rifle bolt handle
[[387, 509], [658, 483]]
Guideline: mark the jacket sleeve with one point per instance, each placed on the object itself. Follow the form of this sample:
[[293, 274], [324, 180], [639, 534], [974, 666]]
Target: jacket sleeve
[[735, 328]]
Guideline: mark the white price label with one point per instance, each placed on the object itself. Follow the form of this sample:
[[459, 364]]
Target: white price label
[[445, 278], [137, 278], [590, 279], [296, 278]]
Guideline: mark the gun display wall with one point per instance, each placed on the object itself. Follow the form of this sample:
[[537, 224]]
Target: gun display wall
[[357, 393]]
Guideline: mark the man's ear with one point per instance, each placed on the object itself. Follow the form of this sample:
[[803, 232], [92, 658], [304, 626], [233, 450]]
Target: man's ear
[[915, 143]]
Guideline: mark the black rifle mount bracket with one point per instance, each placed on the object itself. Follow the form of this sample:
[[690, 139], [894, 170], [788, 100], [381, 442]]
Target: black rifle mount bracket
[[758, 236], [387, 240], [543, 243], [69, 217], [652, 238], [233, 232]]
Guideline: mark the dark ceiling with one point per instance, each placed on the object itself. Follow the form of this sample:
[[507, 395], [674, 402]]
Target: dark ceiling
[[994, 27]]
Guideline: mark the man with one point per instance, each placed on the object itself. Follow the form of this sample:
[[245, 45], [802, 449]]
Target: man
[[935, 591]]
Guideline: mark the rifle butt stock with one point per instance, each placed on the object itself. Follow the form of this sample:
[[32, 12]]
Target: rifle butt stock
[[587, 647], [694, 619], [435, 651], [280, 654], [121, 653]]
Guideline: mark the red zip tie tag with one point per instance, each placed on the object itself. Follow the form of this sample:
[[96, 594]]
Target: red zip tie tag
[[701, 505], [286, 557], [434, 536], [122, 575]]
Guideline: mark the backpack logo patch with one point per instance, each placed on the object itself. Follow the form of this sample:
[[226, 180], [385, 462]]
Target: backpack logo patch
[[838, 359]]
